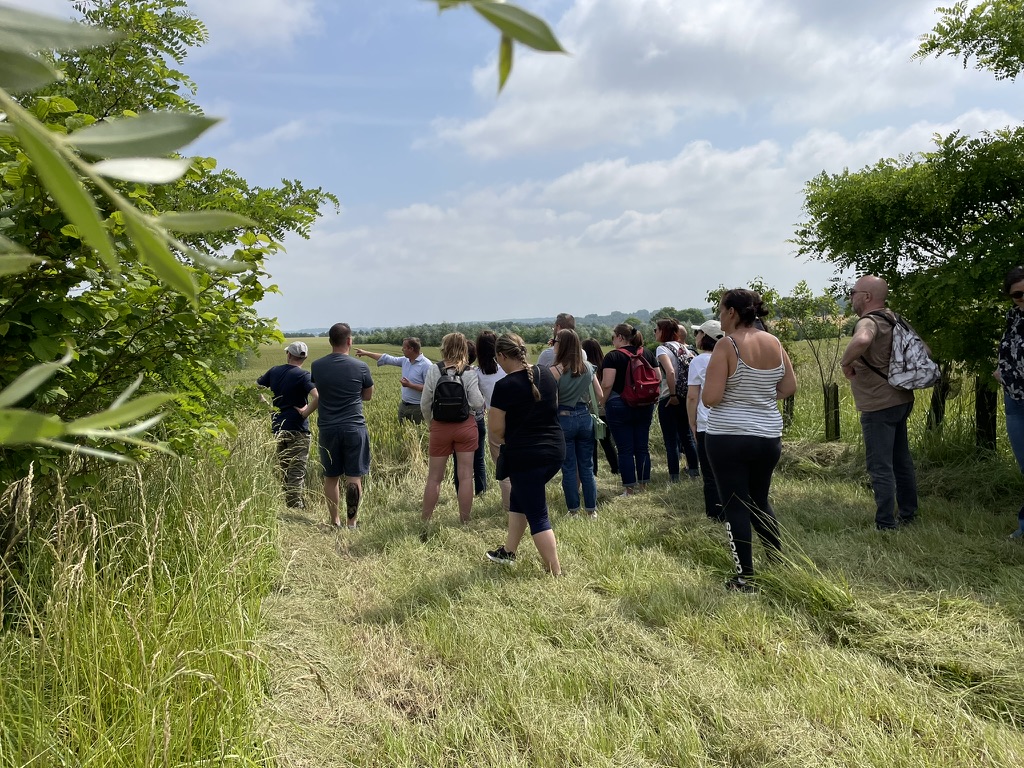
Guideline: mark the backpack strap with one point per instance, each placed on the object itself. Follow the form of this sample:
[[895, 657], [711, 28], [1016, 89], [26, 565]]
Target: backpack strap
[[874, 315]]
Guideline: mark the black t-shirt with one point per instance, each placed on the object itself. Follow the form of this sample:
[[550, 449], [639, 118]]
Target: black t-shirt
[[533, 436], [290, 385], [619, 361]]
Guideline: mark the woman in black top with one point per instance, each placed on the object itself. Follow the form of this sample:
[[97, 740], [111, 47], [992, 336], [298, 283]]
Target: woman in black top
[[630, 425], [523, 417]]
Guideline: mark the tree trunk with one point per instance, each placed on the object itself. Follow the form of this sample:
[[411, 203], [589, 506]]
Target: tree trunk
[[985, 408], [788, 407], [831, 392], [940, 394]]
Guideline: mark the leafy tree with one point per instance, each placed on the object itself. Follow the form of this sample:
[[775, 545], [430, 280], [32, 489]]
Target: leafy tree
[[693, 316], [992, 32]]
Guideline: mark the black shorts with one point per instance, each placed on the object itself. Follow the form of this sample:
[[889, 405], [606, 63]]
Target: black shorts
[[345, 451]]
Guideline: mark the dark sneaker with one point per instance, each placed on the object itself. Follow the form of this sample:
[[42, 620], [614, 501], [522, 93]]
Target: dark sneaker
[[352, 495], [740, 584], [501, 555]]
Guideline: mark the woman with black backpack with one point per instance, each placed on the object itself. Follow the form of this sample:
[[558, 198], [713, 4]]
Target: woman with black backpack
[[674, 358], [451, 395]]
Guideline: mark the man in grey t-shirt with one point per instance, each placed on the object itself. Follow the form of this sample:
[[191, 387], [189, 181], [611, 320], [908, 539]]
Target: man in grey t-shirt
[[343, 384], [563, 321]]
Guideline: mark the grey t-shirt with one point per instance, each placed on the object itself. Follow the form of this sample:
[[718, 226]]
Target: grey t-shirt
[[340, 381]]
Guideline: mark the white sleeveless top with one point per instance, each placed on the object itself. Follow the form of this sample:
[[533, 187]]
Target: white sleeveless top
[[748, 405]]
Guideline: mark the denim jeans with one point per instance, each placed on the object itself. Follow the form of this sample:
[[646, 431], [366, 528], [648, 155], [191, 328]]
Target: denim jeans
[[675, 428], [743, 466], [1015, 431], [479, 466], [890, 465], [579, 456], [631, 428]]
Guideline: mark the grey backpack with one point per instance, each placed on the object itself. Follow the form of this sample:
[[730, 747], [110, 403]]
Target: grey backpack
[[910, 364]]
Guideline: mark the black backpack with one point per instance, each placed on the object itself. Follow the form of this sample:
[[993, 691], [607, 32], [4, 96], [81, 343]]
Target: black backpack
[[450, 403]]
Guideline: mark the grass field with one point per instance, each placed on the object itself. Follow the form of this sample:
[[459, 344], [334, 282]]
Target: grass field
[[180, 615], [868, 649]]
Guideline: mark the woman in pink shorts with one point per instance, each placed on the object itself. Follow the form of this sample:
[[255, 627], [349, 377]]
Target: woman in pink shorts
[[451, 396]]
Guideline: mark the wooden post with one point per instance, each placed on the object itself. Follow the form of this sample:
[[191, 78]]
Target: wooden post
[[831, 392]]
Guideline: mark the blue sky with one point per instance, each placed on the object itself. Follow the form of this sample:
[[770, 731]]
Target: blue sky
[[665, 156]]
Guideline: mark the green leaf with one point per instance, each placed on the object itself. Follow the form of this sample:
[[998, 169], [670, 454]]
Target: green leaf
[[117, 417], [231, 266], [194, 222], [144, 170], [19, 426], [153, 251], [152, 134], [21, 71], [524, 27], [34, 32], [504, 61], [30, 381], [15, 263], [66, 188]]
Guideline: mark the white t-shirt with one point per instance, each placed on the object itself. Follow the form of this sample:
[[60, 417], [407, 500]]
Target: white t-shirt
[[698, 374], [487, 383]]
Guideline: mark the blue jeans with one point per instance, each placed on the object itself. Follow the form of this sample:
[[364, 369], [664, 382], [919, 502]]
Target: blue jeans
[[890, 465], [631, 428], [1015, 431], [579, 456], [675, 428]]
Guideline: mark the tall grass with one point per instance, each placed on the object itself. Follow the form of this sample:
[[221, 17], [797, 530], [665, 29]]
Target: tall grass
[[132, 637]]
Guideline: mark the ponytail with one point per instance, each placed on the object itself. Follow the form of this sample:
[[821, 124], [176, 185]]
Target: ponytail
[[512, 345]]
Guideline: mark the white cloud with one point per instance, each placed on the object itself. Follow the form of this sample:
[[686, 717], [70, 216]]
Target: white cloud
[[641, 68], [272, 140], [269, 25]]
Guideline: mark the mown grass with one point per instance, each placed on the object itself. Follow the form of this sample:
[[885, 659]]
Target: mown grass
[[183, 616], [866, 649]]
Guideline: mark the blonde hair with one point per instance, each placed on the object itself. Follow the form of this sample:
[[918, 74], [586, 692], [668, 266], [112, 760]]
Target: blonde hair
[[512, 345], [455, 350], [570, 353]]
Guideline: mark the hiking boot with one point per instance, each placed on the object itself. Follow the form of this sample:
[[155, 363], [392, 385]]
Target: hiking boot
[[592, 514], [740, 584], [501, 555]]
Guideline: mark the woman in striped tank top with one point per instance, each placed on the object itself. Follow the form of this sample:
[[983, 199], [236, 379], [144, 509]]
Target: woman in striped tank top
[[748, 373]]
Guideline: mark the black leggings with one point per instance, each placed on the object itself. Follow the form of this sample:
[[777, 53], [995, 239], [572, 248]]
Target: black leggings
[[743, 467], [712, 504]]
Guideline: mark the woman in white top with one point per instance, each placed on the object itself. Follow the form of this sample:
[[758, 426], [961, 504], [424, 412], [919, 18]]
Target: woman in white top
[[748, 373], [447, 437], [707, 335]]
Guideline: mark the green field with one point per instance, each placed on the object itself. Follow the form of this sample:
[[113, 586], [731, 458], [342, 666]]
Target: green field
[[200, 622]]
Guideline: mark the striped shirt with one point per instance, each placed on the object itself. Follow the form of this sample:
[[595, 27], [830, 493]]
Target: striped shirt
[[748, 405]]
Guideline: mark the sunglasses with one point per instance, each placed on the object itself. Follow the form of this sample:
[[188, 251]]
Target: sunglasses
[[1017, 295]]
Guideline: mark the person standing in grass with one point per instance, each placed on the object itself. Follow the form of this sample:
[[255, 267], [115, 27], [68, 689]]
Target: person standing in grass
[[747, 374], [630, 424], [577, 382], [523, 418], [1010, 374], [884, 409], [451, 394], [675, 426], [291, 386], [479, 464], [564, 321], [489, 373], [343, 384], [707, 335], [414, 367], [594, 356]]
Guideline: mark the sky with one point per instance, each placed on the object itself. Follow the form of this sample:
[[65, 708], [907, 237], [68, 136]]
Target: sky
[[664, 156]]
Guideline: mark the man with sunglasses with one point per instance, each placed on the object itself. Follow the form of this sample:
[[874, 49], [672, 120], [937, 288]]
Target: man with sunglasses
[[884, 409]]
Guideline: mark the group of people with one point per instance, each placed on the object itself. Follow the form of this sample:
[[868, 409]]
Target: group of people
[[717, 406]]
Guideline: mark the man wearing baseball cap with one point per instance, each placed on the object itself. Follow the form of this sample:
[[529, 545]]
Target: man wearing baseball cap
[[291, 386]]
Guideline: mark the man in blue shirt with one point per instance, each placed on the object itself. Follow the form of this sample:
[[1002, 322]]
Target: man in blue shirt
[[291, 385], [414, 373]]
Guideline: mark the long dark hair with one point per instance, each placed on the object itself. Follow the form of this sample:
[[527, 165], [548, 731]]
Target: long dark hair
[[486, 353], [570, 353]]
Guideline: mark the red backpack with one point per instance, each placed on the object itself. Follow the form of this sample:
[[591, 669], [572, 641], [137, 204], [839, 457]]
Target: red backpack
[[643, 383]]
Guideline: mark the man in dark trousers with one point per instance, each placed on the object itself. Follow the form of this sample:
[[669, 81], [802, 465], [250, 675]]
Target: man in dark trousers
[[884, 409], [291, 386]]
